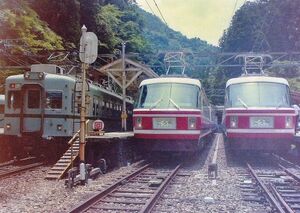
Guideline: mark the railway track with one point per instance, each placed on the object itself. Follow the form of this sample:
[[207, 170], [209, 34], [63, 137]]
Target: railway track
[[278, 187], [9, 169], [137, 192]]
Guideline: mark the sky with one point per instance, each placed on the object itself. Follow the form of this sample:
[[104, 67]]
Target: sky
[[205, 19]]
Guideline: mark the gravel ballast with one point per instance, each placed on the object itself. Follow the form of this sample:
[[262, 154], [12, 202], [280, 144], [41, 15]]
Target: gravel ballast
[[30, 192]]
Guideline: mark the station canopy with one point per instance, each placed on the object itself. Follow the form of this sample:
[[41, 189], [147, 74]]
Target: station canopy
[[135, 72]]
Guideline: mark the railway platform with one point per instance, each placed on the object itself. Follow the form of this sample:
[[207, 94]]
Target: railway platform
[[109, 137], [117, 148]]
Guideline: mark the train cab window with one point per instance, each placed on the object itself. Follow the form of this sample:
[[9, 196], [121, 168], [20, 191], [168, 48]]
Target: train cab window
[[34, 98], [54, 100], [14, 99], [169, 95]]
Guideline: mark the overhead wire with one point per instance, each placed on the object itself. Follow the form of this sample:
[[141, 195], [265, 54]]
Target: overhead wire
[[160, 12], [234, 8], [150, 7]]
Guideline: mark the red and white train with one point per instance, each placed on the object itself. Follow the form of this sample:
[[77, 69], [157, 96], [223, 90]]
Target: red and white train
[[172, 114], [258, 113]]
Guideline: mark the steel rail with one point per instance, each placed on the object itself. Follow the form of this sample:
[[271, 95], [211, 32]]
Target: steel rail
[[291, 174], [92, 200], [155, 197], [18, 170], [8, 163], [264, 187], [281, 200]]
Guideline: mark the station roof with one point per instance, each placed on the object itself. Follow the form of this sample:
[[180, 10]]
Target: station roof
[[135, 72]]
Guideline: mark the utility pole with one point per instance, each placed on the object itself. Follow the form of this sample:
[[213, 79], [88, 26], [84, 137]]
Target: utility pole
[[124, 114]]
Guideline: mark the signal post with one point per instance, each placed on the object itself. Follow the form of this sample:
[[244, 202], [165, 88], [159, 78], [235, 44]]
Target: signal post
[[88, 54]]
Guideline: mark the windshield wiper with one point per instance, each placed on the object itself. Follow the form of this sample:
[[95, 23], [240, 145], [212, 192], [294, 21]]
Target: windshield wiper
[[243, 103], [281, 104], [178, 107], [155, 104]]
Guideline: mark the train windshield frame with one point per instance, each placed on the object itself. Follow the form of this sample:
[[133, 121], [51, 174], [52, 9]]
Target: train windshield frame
[[14, 99], [257, 94], [169, 96]]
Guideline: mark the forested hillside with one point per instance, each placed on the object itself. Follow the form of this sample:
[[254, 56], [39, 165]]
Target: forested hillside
[[39, 25], [265, 26], [59, 22]]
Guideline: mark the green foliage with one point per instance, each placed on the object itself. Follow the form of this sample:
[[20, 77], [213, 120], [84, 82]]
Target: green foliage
[[24, 24], [288, 71], [115, 26], [4, 74], [62, 16], [107, 23], [113, 21], [264, 25], [162, 39]]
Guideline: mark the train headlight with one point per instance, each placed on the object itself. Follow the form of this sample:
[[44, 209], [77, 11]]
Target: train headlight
[[27, 75], [234, 122], [138, 123], [59, 127], [8, 126], [192, 123], [288, 122], [41, 75]]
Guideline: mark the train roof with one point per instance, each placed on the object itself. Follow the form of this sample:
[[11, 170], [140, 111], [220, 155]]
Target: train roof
[[179, 80], [20, 77], [247, 79]]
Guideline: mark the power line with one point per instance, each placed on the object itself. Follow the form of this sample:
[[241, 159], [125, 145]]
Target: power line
[[160, 12], [150, 7], [236, 1]]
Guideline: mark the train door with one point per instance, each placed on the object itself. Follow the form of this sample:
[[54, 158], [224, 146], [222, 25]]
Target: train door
[[32, 110]]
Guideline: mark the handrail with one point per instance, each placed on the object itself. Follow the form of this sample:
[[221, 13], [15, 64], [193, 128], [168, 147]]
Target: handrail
[[72, 140]]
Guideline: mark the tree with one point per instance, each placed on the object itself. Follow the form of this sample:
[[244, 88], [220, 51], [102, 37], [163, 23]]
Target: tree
[[62, 16]]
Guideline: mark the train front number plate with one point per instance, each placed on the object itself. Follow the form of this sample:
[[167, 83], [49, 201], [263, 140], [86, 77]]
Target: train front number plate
[[261, 122], [164, 123]]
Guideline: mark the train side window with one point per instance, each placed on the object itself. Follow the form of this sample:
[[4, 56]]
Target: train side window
[[97, 109], [14, 99], [54, 99], [94, 107], [34, 99]]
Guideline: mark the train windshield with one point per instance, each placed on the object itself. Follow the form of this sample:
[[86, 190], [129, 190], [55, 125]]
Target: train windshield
[[258, 94], [168, 95]]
